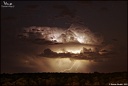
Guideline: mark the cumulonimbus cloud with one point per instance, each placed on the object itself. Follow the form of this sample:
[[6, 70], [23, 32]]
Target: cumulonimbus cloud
[[74, 33], [75, 42]]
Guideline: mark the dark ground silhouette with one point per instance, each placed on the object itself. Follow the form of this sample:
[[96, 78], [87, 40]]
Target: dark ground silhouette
[[67, 79]]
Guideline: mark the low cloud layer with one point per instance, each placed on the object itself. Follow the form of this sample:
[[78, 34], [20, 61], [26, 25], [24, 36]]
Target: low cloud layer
[[85, 54]]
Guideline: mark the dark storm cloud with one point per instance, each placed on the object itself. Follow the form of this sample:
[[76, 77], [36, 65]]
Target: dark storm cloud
[[87, 54], [42, 41], [52, 36], [50, 54]]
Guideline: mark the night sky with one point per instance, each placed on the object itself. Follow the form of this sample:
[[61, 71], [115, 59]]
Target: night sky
[[97, 31]]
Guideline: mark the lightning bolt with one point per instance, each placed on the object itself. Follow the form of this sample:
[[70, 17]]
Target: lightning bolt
[[70, 67], [75, 65]]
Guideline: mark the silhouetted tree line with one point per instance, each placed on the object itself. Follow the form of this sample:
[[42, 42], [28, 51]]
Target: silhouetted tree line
[[66, 79]]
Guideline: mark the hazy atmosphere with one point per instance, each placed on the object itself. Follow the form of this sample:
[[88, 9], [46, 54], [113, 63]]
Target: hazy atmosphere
[[64, 36]]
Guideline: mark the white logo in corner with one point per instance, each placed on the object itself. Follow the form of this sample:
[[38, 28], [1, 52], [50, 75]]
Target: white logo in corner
[[7, 4]]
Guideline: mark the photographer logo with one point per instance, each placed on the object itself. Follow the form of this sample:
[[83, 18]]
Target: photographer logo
[[7, 4]]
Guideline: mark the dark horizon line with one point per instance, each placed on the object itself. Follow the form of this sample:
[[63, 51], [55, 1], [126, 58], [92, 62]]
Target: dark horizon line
[[64, 72]]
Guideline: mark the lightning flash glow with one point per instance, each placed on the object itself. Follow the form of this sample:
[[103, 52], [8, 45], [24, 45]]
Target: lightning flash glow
[[73, 42], [61, 35]]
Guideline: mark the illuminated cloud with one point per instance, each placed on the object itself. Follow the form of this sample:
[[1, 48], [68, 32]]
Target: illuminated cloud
[[76, 34], [85, 54], [75, 42], [74, 46]]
